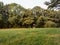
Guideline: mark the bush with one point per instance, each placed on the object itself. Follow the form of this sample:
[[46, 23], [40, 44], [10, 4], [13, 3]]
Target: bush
[[49, 24]]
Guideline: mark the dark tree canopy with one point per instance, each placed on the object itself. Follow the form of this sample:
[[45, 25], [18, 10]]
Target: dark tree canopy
[[55, 4]]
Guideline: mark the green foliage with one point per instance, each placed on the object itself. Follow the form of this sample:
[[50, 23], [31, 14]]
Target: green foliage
[[1, 5], [15, 16], [1, 17], [40, 21], [50, 24]]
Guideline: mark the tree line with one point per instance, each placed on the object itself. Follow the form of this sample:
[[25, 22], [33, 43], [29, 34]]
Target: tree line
[[15, 16]]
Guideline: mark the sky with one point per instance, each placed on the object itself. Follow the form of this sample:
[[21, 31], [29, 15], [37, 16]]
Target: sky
[[27, 3]]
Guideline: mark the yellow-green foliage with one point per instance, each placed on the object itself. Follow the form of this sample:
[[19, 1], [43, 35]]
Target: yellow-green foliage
[[50, 24]]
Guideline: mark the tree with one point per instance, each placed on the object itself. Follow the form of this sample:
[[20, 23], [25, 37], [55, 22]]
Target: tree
[[28, 22], [37, 11], [53, 4], [15, 16], [28, 18], [14, 9], [1, 5], [40, 22], [12, 21], [1, 21]]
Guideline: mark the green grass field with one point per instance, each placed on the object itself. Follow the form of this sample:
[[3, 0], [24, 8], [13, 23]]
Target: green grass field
[[30, 36]]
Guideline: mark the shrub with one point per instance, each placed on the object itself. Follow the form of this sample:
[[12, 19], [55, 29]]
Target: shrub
[[49, 24]]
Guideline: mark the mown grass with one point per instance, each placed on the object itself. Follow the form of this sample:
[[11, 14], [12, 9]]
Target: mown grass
[[30, 36]]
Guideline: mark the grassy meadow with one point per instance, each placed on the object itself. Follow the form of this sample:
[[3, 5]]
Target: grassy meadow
[[30, 36]]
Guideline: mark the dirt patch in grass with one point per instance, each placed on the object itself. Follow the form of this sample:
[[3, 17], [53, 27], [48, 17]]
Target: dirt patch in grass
[[53, 35]]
